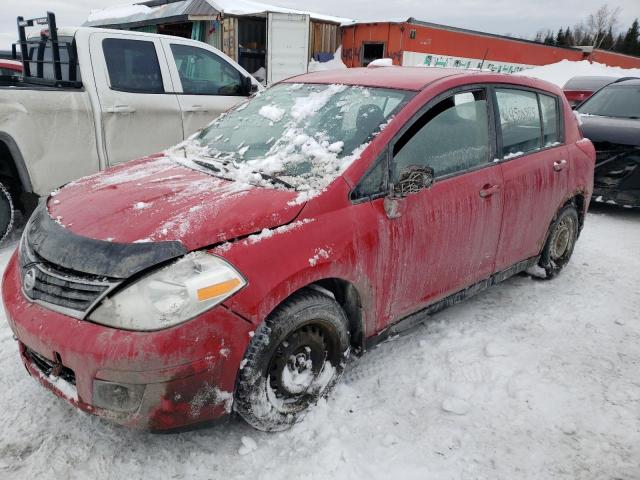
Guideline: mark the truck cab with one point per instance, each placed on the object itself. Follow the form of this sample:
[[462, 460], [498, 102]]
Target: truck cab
[[93, 98]]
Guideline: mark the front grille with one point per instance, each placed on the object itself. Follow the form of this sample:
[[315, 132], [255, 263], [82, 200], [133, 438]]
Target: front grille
[[64, 292], [47, 367]]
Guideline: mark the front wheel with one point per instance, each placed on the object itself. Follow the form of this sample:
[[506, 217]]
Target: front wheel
[[295, 358], [6, 212], [561, 241]]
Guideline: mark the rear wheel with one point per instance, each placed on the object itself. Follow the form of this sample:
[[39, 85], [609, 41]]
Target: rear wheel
[[6, 212], [295, 358], [561, 241]]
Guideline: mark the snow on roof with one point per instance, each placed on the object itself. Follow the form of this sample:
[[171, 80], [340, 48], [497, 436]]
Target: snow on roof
[[249, 7], [132, 13]]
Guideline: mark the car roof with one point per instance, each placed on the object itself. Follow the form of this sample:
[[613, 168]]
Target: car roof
[[411, 78], [402, 78], [588, 82], [628, 81]]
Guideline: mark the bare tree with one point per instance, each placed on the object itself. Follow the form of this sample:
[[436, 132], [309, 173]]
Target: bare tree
[[600, 22]]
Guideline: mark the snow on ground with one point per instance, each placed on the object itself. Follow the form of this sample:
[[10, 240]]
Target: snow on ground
[[559, 73], [529, 380]]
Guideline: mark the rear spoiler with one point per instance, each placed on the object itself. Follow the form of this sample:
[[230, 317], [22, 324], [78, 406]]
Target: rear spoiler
[[57, 81]]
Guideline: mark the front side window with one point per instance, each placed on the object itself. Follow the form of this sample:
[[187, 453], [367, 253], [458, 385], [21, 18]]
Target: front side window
[[205, 73], [133, 65], [519, 121], [450, 137]]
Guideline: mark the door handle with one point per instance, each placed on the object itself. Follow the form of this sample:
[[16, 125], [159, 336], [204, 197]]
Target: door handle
[[197, 108], [125, 109], [489, 190], [559, 165]]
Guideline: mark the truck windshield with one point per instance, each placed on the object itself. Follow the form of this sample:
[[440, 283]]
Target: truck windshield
[[622, 101], [305, 134]]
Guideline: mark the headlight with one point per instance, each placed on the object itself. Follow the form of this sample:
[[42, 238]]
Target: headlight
[[171, 295]]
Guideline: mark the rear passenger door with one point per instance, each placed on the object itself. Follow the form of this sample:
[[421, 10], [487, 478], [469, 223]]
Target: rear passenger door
[[206, 81], [535, 171], [446, 237], [139, 113]]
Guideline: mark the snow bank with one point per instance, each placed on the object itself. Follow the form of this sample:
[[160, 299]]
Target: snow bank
[[382, 62], [334, 64], [559, 73]]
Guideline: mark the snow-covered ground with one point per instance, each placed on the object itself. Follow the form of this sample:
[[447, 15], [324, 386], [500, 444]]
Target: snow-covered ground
[[530, 380]]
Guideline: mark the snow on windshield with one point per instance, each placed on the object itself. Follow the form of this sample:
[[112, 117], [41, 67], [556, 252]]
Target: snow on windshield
[[297, 136]]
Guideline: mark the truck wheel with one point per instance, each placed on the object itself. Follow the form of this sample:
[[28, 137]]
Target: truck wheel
[[295, 358], [560, 243], [6, 212]]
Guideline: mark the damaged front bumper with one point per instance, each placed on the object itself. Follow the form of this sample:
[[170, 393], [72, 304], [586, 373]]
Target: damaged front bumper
[[160, 380], [617, 176]]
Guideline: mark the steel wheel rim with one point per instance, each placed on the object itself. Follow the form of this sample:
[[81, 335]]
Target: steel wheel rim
[[563, 238], [296, 366]]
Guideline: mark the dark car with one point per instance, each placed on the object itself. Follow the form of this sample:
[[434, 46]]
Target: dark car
[[578, 89], [611, 120]]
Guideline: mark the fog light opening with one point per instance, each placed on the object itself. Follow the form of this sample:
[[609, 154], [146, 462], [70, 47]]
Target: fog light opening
[[119, 397]]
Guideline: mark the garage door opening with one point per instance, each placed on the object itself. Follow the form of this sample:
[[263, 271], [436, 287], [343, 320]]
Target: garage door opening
[[371, 52]]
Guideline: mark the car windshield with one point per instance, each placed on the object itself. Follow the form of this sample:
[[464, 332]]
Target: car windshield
[[300, 136], [622, 101]]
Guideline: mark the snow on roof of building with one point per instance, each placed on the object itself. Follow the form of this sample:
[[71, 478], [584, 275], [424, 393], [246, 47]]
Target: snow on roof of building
[[149, 11]]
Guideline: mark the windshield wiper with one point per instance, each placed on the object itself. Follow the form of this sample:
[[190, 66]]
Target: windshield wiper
[[274, 179]]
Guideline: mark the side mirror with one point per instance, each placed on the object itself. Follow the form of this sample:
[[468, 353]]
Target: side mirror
[[413, 179], [248, 87]]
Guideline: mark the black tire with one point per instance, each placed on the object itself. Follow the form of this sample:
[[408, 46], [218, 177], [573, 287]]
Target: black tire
[[560, 242], [6, 213], [295, 358]]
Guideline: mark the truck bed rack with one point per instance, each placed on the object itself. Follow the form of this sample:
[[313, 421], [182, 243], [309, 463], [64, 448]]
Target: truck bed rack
[[40, 62]]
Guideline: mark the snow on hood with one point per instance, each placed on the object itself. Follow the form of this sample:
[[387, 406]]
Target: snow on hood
[[157, 199]]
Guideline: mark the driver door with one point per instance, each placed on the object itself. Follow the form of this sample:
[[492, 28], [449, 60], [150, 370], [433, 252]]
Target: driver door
[[445, 237], [206, 83]]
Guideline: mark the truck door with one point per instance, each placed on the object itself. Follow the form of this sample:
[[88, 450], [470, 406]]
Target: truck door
[[287, 45], [139, 113], [206, 81]]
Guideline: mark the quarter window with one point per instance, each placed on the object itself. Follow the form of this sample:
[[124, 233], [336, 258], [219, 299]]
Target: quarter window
[[205, 73], [450, 137], [519, 121], [133, 65], [550, 120]]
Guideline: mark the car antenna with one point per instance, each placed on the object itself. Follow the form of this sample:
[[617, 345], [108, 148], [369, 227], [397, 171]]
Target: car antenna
[[484, 58]]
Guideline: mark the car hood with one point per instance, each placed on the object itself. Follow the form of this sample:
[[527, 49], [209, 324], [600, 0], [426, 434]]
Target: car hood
[[620, 131], [158, 200]]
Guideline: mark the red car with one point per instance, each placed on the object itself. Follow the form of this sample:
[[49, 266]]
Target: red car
[[10, 68], [239, 270], [578, 89]]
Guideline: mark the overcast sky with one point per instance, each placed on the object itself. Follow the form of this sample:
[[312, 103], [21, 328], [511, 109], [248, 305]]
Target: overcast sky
[[515, 17]]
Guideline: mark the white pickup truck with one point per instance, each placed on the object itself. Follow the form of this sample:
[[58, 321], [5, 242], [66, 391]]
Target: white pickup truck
[[101, 98]]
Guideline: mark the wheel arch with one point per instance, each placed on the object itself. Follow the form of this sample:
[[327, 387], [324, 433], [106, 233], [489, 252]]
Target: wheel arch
[[14, 167]]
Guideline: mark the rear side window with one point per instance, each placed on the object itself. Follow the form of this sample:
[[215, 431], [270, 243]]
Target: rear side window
[[519, 120], [550, 120], [133, 65], [450, 137], [205, 73]]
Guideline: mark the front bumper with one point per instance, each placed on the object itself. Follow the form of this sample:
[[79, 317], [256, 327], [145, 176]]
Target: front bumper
[[617, 178], [187, 373]]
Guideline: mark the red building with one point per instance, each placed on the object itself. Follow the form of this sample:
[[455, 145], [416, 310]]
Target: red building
[[414, 43]]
